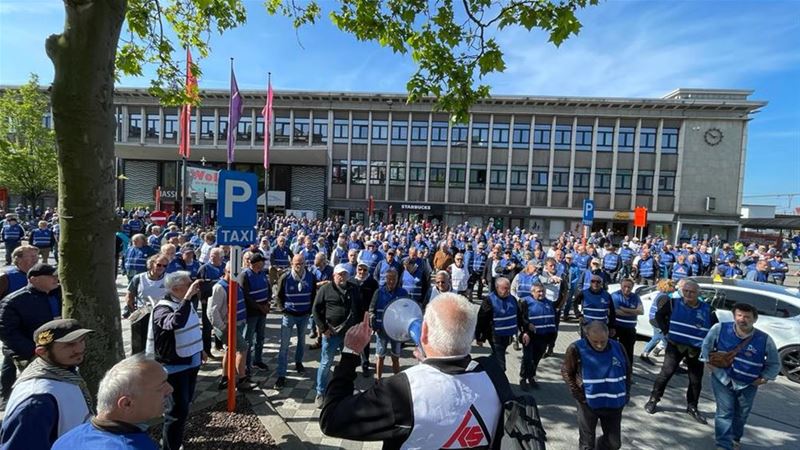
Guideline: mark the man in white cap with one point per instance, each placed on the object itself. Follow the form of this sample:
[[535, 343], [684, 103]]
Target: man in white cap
[[50, 397]]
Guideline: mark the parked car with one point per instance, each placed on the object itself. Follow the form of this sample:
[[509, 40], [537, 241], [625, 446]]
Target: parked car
[[778, 312]]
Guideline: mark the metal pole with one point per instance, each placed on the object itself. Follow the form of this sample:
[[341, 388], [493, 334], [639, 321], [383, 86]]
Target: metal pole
[[268, 135], [203, 210], [233, 288], [183, 194]]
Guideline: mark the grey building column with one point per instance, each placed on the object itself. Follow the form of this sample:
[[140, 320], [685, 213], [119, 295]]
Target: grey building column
[[388, 158], [741, 174], [530, 161], [408, 154], [614, 162], [329, 145], [253, 127], [489, 161], [469, 161], [508, 163], [447, 163], [369, 155], [310, 139], [291, 126], [679, 170], [594, 157], [216, 126], [552, 160], [161, 125], [197, 126], [657, 169], [428, 157], [635, 174], [573, 136], [143, 124], [349, 150], [126, 126]]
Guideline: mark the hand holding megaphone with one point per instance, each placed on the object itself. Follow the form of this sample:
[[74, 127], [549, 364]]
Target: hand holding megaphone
[[358, 336]]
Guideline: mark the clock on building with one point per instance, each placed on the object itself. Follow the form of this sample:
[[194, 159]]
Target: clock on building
[[713, 136]]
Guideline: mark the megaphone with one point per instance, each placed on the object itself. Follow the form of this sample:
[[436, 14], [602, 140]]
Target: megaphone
[[402, 321]]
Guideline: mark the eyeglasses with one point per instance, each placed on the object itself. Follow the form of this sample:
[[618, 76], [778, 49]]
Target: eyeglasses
[[595, 281]]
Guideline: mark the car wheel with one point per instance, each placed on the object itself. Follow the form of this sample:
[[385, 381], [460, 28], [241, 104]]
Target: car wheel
[[790, 363]]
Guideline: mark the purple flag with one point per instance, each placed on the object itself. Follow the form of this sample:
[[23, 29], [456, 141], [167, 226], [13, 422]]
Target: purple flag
[[235, 108]]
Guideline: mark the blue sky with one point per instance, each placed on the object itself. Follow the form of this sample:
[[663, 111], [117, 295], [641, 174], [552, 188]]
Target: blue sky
[[631, 48]]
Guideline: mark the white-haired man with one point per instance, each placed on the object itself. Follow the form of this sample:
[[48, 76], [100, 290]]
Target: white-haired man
[[131, 393], [397, 410]]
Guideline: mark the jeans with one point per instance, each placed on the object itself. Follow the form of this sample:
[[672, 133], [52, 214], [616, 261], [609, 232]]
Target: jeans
[[183, 384], [610, 422], [733, 407], [10, 247], [330, 346], [672, 359], [532, 354], [288, 323], [499, 344], [255, 325], [658, 336]]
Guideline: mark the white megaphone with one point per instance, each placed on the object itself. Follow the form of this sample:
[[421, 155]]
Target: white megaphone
[[402, 321]]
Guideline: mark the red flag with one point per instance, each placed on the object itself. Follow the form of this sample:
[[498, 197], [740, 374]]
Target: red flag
[[370, 206], [158, 198], [185, 139], [267, 114]]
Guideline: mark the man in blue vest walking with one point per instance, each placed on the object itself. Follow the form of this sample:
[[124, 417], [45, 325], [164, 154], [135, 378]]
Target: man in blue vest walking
[[11, 234], [296, 291], [598, 375], [497, 319]]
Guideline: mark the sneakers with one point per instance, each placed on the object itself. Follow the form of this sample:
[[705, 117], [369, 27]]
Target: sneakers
[[646, 359], [298, 367], [319, 401], [223, 383], [523, 384], [262, 366], [696, 415], [657, 351], [280, 383], [516, 344], [245, 385], [365, 372], [650, 406]]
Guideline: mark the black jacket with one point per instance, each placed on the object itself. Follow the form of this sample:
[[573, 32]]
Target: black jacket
[[21, 313], [337, 308]]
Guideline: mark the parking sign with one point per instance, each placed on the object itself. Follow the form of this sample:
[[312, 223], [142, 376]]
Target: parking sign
[[236, 208], [588, 212]]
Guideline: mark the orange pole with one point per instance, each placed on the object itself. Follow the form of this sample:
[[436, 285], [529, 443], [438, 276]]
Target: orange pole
[[231, 370]]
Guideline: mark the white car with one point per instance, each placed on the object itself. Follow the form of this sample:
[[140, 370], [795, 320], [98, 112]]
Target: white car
[[778, 312]]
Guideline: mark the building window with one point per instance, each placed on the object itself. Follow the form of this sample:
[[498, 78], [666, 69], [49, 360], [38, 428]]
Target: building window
[[477, 177], [222, 129], [519, 179], [560, 180], [339, 173], [419, 133], [497, 177], [605, 139], [647, 140], [563, 137], [259, 129], [377, 173], [244, 129], [583, 137], [320, 131], [522, 136], [624, 181], [669, 140], [153, 126], [400, 133], [459, 135], [437, 176], [625, 139], [380, 131], [458, 176], [301, 129], [666, 182], [282, 128], [644, 183], [480, 134], [358, 172], [397, 173], [539, 180], [171, 126], [541, 137], [439, 134], [134, 125], [341, 131], [416, 175], [117, 123], [602, 181], [360, 131], [500, 134], [581, 182]]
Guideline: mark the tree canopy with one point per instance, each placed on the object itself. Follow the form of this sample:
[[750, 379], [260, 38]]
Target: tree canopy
[[27, 147], [453, 43]]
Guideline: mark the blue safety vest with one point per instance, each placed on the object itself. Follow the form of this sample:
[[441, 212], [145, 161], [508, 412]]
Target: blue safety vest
[[667, 258], [705, 258], [341, 254], [631, 302], [776, 269], [369, 258], [525, 282], [412, 283], [136, 259], [680, 271], [280, 257], [627, 255], [478, 263], [42, 238], [259, 289], [16, 279], [749, 362], [12, 232], [309, 254], [582, 261], [604, 375], [241, 309], [646, 269], [611, 262], [385, 297], [542, 314], [384, 267], [505, 315], [212, 272], [689, 326], [298, 294], [595, 306]]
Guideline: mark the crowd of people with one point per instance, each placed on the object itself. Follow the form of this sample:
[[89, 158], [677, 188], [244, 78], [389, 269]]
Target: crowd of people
[[333, 282]]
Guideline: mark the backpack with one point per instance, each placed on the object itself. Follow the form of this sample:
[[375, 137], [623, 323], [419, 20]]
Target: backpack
[[520, 426]]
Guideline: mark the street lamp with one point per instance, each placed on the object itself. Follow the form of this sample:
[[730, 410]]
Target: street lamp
[[120, 185]]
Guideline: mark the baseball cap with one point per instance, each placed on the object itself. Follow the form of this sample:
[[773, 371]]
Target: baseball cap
[[41, 269], [362, 264], [340, 268], [60, 330]]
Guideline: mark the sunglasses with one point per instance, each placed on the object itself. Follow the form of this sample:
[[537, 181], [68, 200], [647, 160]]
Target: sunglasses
[[162, 265], [595, 281]]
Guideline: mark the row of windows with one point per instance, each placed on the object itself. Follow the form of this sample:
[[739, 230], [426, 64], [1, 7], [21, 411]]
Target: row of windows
[[416, 133], [496, 176]]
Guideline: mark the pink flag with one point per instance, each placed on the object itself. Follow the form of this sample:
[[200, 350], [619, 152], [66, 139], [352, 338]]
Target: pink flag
[[267, 113], [185, 136]]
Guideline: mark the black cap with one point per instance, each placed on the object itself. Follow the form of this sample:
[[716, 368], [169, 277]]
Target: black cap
[[60, 330], [257, 257], [41, 269]]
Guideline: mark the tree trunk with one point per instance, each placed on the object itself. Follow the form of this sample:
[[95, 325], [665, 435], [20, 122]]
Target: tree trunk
[[82, 101]]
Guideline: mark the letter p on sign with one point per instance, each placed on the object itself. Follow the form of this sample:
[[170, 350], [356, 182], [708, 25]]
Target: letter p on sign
[[236, 207]]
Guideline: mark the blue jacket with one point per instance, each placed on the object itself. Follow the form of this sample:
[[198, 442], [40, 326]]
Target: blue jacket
[[118, 436], [21, 313]]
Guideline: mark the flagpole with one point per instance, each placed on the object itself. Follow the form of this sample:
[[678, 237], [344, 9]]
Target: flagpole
[[229, 121], [267, 135], [183, 199]]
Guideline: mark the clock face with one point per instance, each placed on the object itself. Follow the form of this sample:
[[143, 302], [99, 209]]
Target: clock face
[[713, 136]]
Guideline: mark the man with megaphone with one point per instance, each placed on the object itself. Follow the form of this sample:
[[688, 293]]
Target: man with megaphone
[[426, 405]]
